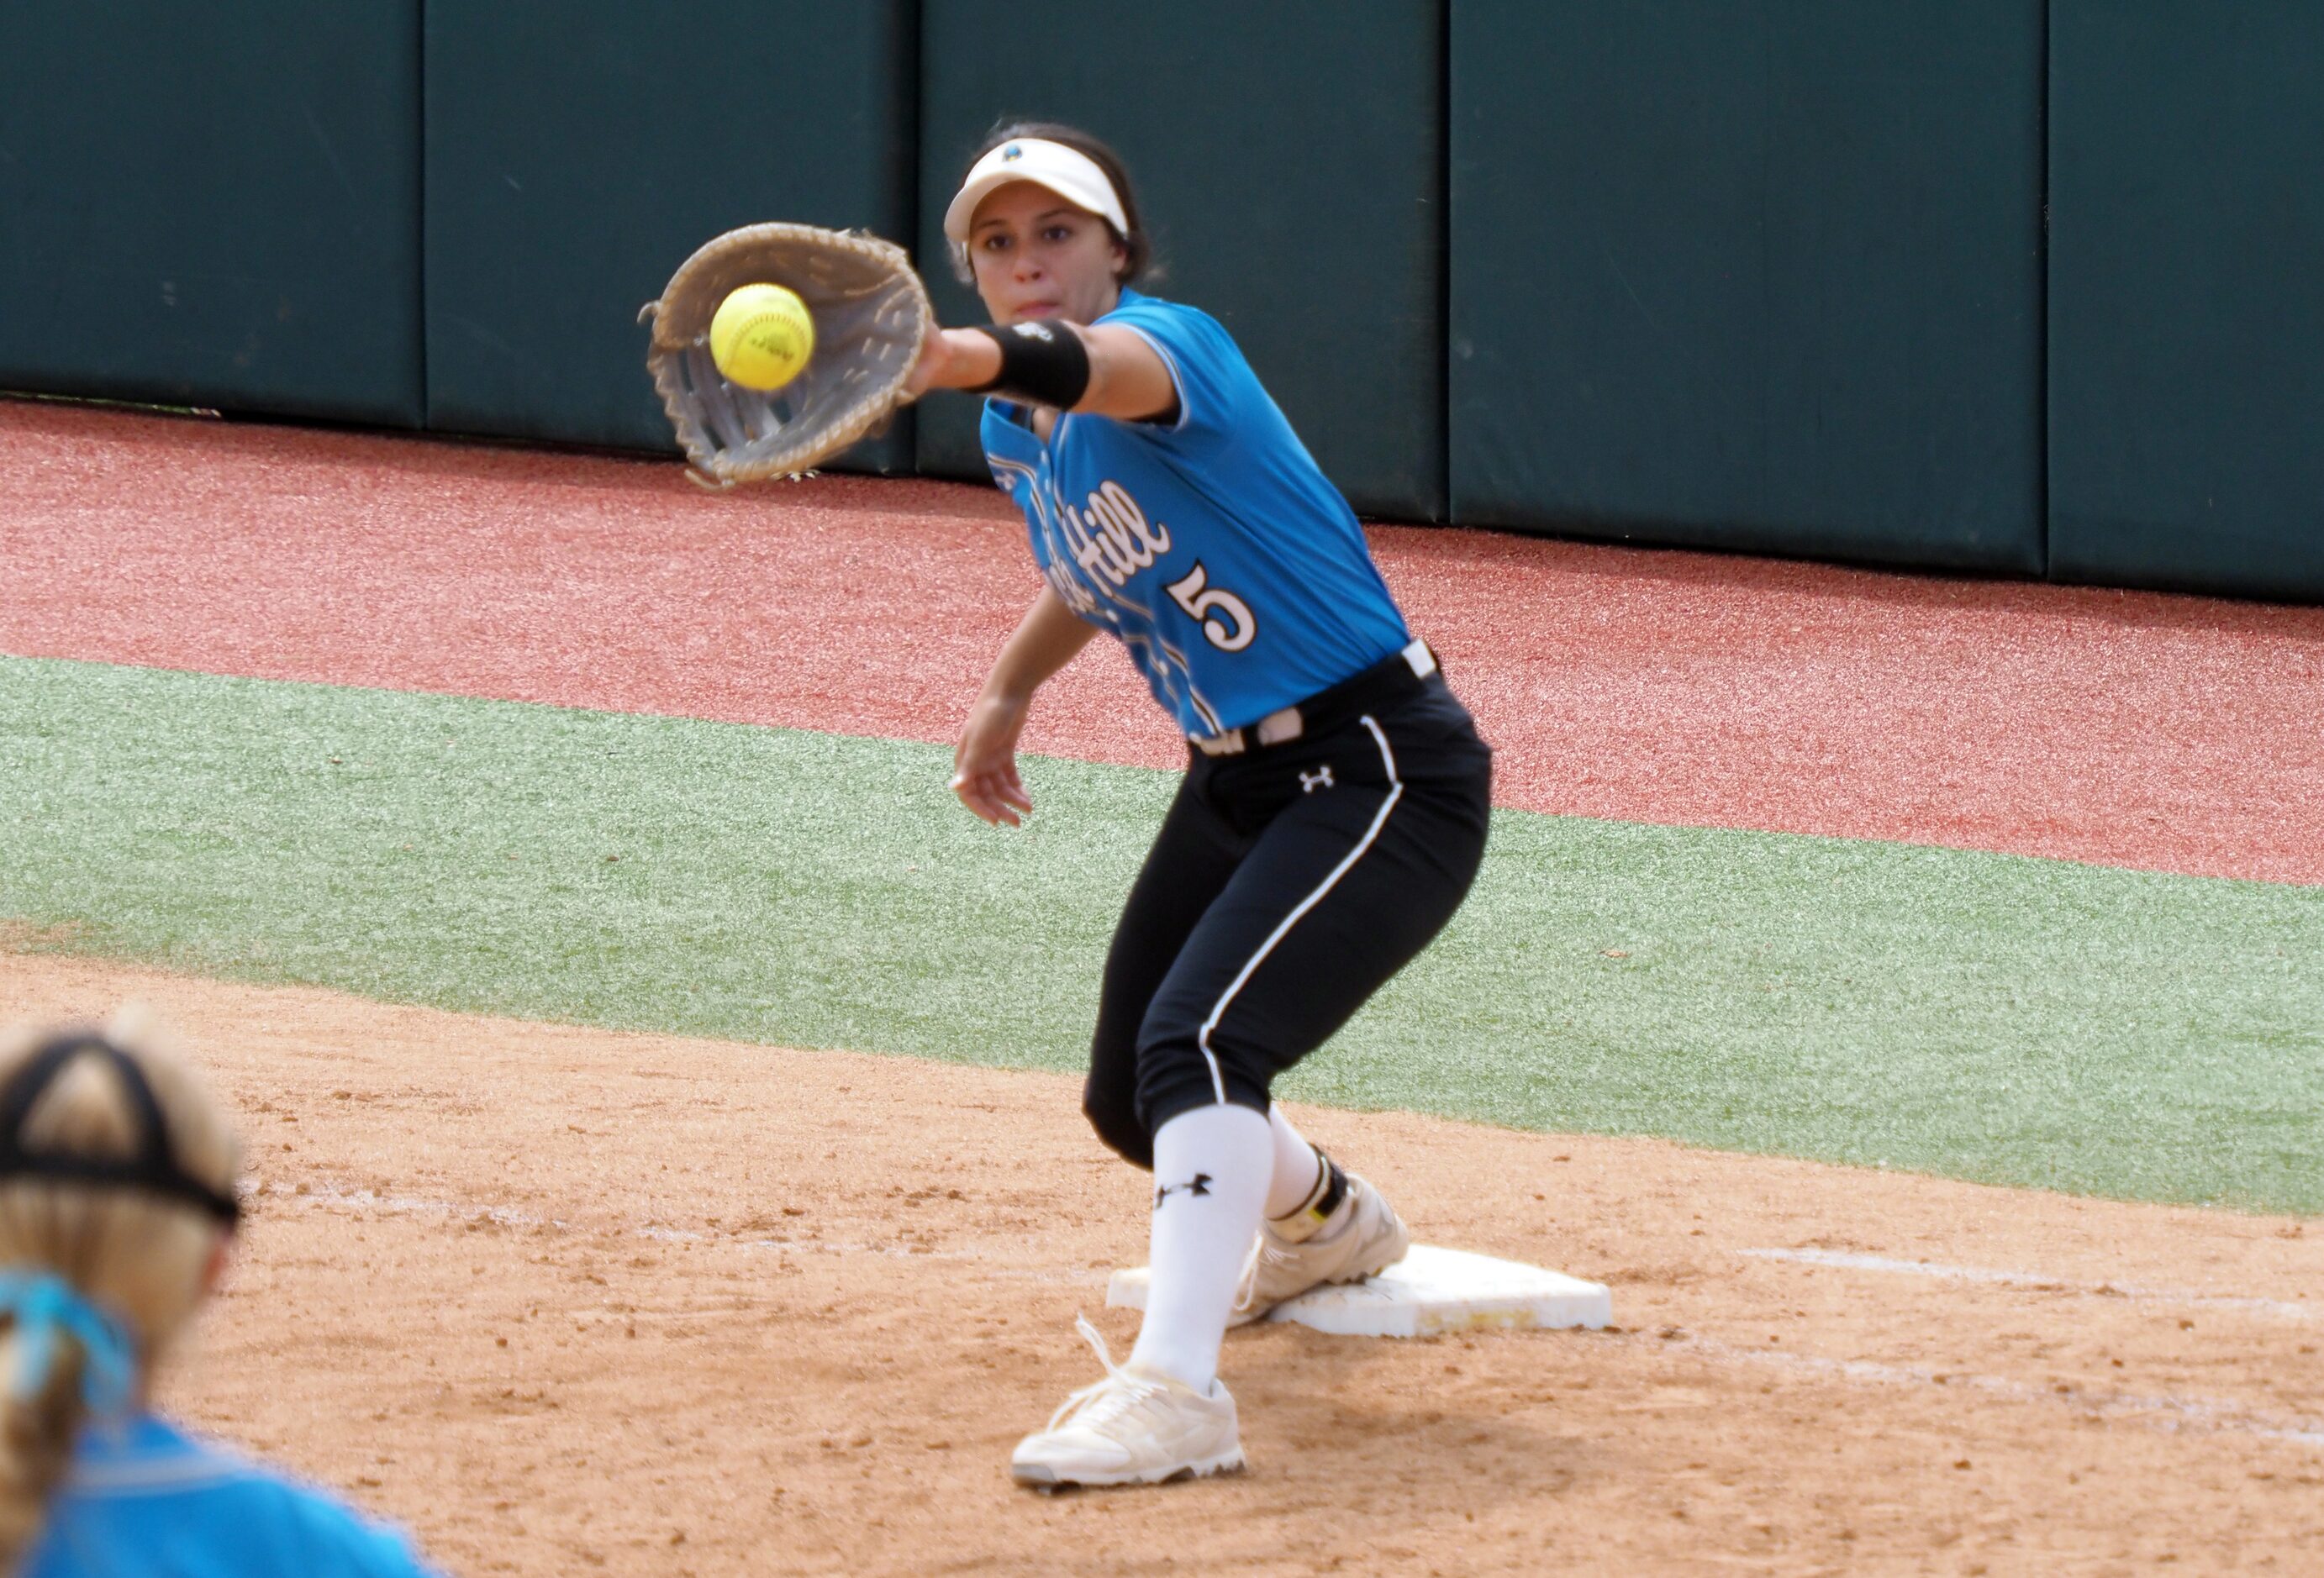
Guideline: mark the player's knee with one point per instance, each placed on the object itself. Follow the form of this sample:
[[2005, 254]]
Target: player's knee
[[1176, 1075], [1112, 1108]]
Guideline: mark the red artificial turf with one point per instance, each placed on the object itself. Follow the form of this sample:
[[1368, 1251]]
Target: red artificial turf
[[2173, 733]]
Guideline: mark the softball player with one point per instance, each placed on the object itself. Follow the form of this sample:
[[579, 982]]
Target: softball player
[[1334, 808], [117, 1204]]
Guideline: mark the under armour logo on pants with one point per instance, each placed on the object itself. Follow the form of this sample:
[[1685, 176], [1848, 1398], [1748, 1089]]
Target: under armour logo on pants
[[1201, 1186], [1321, 778]]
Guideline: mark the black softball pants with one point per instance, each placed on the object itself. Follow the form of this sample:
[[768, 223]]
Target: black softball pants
[[1288, 884]]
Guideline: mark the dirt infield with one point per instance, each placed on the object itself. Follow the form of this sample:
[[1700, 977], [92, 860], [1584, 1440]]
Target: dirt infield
[[565, 1300], [2129, 729]]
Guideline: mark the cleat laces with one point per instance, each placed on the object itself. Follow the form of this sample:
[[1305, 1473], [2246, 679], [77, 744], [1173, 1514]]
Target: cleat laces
[[1270, 1260], [1266, 1255], [1106, 1401]]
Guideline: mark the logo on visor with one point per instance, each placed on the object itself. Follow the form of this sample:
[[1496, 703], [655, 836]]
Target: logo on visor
[[1011, 151]]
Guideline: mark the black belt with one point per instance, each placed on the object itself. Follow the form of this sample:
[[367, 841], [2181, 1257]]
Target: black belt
[[1390, 679]]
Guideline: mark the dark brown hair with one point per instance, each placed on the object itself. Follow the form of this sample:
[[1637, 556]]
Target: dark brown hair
[[1136, 244]]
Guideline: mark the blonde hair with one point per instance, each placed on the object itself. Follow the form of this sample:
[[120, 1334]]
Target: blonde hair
[[141, 1256]]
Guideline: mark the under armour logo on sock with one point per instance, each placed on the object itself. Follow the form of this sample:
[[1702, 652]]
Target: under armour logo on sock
[[1321, 778], [1201, 1186]]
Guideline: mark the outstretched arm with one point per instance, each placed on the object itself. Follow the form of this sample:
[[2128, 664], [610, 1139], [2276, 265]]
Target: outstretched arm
[[984, 763], [1128, 379]]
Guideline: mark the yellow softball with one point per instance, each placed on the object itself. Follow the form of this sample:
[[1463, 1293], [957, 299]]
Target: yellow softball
[[761, 336]]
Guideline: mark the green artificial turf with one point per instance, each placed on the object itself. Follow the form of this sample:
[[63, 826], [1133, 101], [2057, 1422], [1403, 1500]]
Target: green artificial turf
[[1985, 1016]]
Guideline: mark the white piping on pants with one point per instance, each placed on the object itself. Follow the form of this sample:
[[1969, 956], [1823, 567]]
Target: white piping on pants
[[1395, 793]]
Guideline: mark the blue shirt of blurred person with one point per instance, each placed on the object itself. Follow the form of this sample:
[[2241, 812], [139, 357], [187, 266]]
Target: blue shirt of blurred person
[[143, 1500]]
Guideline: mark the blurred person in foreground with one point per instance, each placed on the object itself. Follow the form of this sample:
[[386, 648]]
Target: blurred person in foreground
[[116, 1207]]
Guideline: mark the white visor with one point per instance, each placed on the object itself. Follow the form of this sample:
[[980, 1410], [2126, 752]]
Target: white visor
[[1070, 173]]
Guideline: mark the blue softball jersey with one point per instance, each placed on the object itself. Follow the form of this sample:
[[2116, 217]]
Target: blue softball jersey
[[144, 1501], [1213, 545]]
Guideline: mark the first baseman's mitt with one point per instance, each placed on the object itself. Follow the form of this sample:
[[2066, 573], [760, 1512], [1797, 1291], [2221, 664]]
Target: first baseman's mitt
[[870, 312]]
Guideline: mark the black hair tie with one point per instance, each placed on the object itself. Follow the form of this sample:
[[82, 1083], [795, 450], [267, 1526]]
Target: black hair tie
[[154, 1168]]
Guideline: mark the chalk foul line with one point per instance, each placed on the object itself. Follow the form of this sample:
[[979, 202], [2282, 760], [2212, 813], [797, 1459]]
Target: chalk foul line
[[2284, 1308], [2173, 1414]]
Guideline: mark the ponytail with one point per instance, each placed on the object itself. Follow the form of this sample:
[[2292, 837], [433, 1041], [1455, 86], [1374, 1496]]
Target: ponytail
[[62, 1360], [36, 1442]]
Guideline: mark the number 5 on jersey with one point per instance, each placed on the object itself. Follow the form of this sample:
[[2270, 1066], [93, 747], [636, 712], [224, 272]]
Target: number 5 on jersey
[[1205, 602]]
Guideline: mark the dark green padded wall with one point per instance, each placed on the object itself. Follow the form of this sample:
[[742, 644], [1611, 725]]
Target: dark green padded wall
[[577, 152], [213, 204], [1287, 158], [2187, 295], [1760, 274]]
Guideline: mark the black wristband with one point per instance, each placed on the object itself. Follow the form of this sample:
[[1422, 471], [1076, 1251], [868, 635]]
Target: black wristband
[[1041, 365]]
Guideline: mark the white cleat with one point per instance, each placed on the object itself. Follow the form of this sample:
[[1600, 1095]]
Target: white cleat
[[1134, 1428], [1366, 1239]]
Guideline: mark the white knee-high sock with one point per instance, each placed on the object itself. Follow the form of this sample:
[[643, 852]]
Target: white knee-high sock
[[1211, 1171], [1296, 1168]]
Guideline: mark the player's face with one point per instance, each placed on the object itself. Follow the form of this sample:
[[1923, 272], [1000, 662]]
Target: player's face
[[1037, 256]]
